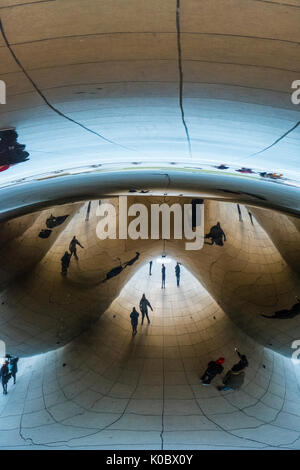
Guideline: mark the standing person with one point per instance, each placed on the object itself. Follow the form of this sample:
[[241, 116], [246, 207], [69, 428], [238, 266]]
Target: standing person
[[150, 268], [163, 277], [72, 247], [134, 320], [242, 364], [5, 376], [65, 263], [144, 304], [240, 213], [13, 367], [177, 273], [213, 368], [251, 217]]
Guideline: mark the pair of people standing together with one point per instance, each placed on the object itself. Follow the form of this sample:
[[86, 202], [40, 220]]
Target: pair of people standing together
[[144, 304]]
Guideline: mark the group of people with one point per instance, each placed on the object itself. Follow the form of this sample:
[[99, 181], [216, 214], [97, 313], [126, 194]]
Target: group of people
[[134, 316], [65, 260], [9, 369], [163, 274], [233, 379]]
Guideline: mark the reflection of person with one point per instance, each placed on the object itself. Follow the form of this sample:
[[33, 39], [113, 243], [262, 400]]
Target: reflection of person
[[285, 313], [163, 276], [177, 273], [216, 235], [240, 213], [11, 152], [144, 304], [13, 367], [213, 368], [134, 320], [5, 376], [150, 268], [65, 262], [72, 247]]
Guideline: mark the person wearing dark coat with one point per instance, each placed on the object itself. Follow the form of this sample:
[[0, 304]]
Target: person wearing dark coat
[[163, 276], [144, 304], [72, 247], [13, 367], [213, 368], [5, 376], [65, 262], [177, 274], [134, 320], [216, 235], [242, 364], [233, 380], [286, 313], [150, 268]]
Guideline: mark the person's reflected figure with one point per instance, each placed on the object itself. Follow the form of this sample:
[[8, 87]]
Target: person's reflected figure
[[242, 364], [134, 320], [72, 247], [150, 268], [177, 273], [65, 263], [144, 304], [5, 376], [233, 380], [213, 368], [163, 277], [13, 368], [216, 235], [240, 213], [285, 313]]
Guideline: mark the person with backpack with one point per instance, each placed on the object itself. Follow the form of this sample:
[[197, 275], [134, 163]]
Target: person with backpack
[[213, 368], [134, 320], [5, 376], [144, 304]]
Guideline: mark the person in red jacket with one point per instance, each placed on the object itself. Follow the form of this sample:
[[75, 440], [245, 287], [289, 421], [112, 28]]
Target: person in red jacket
[[213, 368]]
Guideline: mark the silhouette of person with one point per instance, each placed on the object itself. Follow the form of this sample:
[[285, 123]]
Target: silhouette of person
[[134, 320], [242, 364], [65, 262], [177, 273], [286, 313], [13, 367], [232, 380], [72, 247], [216, 235], [163, 277], [5, 376], [150, 268], [250, 217], [144, 304], [240, 213], [213, 368]]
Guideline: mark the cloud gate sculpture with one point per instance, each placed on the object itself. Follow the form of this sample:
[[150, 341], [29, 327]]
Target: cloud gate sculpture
[[186, 111]]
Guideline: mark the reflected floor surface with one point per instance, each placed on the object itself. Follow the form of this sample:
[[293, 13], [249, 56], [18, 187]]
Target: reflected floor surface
[[108, 390]]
